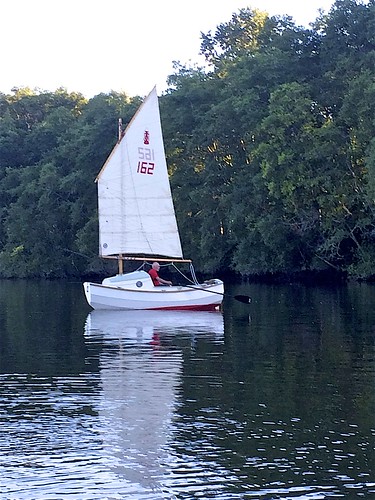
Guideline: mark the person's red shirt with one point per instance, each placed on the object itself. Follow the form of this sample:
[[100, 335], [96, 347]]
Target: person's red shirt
[[154, 276]]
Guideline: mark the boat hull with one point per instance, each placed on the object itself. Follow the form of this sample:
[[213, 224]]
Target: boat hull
[[203, 297]]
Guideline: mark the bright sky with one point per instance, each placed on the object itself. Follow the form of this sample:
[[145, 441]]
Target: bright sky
[[93, 46]]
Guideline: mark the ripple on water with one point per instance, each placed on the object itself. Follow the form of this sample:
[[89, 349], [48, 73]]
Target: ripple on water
[[164, 417]]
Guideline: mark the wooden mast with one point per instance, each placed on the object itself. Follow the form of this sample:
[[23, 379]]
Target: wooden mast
[[120, 134]]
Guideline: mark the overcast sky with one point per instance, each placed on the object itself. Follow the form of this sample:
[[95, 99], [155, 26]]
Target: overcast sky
[[93, 46]]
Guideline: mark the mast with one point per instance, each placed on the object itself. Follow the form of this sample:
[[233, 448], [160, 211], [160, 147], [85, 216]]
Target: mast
[[120, 134], [120, 131], [120, 264]]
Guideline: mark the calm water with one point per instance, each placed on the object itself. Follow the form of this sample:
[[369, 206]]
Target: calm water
[[268, 401]]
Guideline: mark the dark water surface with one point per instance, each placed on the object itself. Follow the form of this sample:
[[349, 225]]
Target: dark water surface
[[274, 400]]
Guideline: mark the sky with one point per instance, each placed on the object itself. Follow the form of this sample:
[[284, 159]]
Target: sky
[[94, 46]]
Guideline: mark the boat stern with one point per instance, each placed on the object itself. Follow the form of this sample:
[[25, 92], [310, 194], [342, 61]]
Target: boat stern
[[87, 290]]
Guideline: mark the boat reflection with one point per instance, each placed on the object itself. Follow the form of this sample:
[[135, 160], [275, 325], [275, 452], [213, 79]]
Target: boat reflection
[[141, 372], [144, 325]]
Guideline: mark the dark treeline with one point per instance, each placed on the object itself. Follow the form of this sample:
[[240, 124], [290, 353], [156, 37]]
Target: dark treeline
[[271, 154]]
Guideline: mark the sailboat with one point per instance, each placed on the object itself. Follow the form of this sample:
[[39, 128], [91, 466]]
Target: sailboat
[[137, 222]]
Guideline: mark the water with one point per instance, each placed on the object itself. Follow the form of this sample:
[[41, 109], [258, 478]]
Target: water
[[264, 401]]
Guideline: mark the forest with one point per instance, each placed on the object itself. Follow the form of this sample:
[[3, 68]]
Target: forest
[[270, 150]]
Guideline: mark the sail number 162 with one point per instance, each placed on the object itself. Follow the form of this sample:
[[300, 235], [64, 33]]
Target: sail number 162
[[146, 163]]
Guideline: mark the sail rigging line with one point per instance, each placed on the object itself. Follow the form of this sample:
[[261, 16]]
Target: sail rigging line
[[193, 281], [192, 272]]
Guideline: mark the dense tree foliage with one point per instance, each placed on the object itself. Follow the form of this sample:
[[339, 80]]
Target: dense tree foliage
[[271, 154]]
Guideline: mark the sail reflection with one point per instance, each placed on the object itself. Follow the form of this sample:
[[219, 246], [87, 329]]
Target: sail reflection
[[141, 370]]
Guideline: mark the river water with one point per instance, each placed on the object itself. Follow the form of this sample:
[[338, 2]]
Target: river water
[[272, 400]]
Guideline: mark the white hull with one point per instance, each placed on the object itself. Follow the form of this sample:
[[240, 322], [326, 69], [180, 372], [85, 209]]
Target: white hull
[[120, 292]]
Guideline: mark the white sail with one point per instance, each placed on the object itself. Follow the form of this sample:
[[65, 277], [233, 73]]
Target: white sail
[[136, 213]]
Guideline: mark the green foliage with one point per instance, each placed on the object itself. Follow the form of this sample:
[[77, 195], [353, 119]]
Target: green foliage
[[271, 152], [281, 169], [240, 35], [48, 194]]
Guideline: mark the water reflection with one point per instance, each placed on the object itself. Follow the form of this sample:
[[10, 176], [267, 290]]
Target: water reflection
[[141, 367], [277, 402], [146, 325]]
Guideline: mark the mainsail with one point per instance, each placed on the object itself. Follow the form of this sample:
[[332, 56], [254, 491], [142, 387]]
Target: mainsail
[[136, 213]]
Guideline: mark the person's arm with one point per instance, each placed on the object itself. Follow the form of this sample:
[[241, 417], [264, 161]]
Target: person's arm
[[164, 282]]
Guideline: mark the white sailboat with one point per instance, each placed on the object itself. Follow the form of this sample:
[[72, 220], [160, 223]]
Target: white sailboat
[[137, 222]]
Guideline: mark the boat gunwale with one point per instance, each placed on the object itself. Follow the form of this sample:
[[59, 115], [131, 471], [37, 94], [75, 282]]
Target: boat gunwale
[[161, 289]]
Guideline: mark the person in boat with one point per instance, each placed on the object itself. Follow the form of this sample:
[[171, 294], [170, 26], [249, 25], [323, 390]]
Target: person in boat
[[154, 273]]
